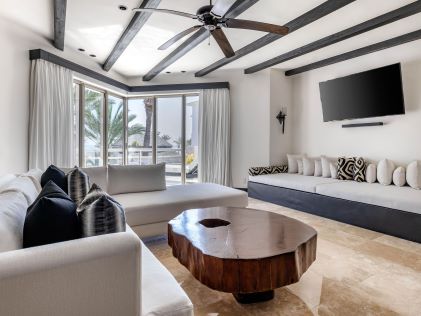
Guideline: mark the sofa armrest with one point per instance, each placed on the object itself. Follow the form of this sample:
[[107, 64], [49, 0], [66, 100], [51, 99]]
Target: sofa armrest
[[257, 171], [98, 275]]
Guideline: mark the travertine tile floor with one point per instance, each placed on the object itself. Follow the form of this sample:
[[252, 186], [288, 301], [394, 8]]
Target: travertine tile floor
[[357, 272]]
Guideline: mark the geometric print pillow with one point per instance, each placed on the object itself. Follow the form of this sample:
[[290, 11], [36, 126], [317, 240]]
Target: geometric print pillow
[[346, 168], [359, 169], [257, 171]]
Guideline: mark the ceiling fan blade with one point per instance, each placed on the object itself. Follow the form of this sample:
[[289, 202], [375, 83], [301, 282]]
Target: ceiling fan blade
[[179, 13], [256, 26], [178, 37], [221, 7], [223, 42]]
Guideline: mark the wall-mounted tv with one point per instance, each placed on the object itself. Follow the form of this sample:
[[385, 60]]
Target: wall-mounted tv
[[372, 93]]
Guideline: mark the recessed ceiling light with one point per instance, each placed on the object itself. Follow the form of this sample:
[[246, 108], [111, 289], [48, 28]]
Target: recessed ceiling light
[[168, 72], [122, 7], [183, 71], [81, 49], [92, 55]]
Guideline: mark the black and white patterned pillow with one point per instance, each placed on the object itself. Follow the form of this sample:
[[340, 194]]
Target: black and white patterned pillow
[[360, 168], [100, 214], [77, 184], [257, 171], [346, 168]]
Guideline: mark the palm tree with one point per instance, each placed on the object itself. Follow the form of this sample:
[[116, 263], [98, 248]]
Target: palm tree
[[149, 111], [115, 120]]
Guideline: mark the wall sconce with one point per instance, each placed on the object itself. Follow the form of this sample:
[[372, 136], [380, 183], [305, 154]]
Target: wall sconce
[[281, 118]]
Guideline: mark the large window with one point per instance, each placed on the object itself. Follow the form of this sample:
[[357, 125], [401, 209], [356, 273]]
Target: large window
[[119, 130]]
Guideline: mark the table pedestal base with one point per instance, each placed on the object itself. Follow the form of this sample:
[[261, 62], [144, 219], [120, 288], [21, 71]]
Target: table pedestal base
[[249, 298]]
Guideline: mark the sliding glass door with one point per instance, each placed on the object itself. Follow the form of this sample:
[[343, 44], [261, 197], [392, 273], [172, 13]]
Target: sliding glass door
[[192, 138], [139, 131], [115, 130], [93, 128], [169, 136]]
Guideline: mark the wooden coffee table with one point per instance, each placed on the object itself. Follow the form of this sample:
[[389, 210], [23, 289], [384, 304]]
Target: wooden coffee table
[[242, 251]]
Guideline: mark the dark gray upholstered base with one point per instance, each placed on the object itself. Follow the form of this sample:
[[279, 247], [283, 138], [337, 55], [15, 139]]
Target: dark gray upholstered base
[[389, 221]]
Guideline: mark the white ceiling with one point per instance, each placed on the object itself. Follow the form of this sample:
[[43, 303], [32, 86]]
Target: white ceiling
[[96, 25]]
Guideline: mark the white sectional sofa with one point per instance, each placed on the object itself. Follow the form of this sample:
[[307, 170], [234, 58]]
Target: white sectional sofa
[[112, 274], [148, 212], [389, 209]]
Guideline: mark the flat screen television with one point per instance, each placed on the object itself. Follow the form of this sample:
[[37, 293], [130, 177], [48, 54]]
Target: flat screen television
[[372, 93]]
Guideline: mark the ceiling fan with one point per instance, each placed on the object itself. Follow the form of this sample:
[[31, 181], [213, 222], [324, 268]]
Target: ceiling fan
[[212, 18]]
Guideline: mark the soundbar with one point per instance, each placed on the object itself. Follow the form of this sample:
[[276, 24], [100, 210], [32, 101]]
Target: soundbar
[[362, 124]]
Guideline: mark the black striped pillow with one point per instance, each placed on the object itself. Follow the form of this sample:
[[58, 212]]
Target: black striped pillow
[[77, 184], [100, 214], [346, 168]]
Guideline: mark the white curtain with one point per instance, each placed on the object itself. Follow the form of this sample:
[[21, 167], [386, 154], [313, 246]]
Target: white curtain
[[51, 122], [214, 136]]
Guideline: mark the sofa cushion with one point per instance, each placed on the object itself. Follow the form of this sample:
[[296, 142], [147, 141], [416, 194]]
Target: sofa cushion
[[371, 173], [413, 175], [326, 166], [56, 175], [50, 220], [399, 176], [160, 206], [6, 179], [309, 165], [161, 293], [132, 179], [77, 184], [12, 216], [359, 169], [50, 190], [346, 168], [293, 162], [98, 175], [23, 185], [400, 198], [292, 181], [385, 170], [100, 214]]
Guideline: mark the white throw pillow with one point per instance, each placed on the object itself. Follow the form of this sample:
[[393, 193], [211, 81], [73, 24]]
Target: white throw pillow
[[308, 166], [131, 179], [413, 174], [399, 176], [318, 171], [371, 173], [293, 162], [300, 166], [385, 170], [333, 170], [326, 166]]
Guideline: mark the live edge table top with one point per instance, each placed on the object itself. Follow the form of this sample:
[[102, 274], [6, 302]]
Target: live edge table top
[[241, 250]]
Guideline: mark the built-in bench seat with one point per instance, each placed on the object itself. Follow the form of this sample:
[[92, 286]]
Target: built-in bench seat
[[388, 209]]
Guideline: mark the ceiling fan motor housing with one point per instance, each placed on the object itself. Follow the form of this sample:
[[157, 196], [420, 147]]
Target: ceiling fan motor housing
[[205, 16]]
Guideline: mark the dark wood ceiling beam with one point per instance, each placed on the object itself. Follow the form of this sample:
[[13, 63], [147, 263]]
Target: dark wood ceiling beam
[[59, 23], [318, 12], [238, 7], [136, 23], [399, 40], [369, 25]]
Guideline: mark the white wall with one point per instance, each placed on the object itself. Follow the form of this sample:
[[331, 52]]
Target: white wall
[[16, 41], [398, 140]]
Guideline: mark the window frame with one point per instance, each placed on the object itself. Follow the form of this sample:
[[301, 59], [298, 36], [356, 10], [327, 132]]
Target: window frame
[[82, 86]]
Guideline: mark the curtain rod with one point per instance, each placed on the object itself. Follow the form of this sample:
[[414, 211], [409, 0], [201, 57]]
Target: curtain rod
[[42, 54]]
